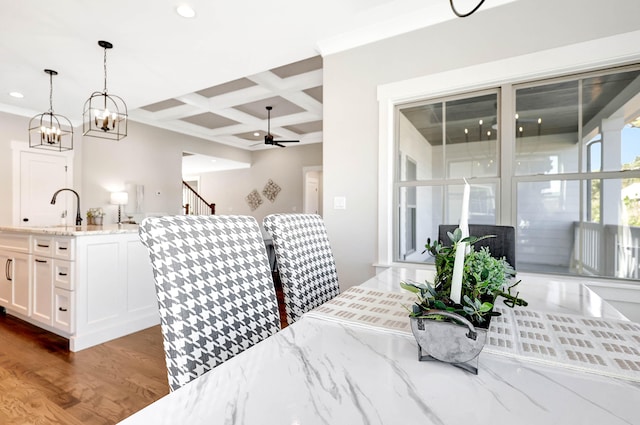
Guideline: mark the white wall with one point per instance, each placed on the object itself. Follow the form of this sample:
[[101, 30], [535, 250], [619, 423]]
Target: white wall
[[148, 156], [16, 128], [228, 189], [352, 78]]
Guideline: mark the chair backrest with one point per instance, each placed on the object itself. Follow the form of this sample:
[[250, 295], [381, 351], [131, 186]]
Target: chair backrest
[[503, 245], [214, 287], [306, 265]]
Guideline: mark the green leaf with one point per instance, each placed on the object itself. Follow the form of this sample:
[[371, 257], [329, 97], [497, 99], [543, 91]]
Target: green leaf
[[410, 287], [485, 307], [439, 305]]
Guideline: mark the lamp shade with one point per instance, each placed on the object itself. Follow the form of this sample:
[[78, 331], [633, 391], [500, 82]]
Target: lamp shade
[[119, 198]]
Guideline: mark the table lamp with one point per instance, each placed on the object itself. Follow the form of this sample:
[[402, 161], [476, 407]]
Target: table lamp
[[119, 199]]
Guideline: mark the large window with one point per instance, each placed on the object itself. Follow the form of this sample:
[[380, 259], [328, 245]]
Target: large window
[[569, 181]]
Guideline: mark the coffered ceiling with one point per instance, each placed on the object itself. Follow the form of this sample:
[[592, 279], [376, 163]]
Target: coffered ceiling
[[234, 113], [209, 76]]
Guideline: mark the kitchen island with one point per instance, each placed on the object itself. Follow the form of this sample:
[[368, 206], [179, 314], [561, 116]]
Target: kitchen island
[[89, 284]]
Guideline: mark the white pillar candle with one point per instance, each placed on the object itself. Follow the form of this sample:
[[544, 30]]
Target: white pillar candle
[[461, 249]]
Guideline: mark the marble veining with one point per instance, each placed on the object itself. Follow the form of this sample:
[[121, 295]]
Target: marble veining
[[318, 372]]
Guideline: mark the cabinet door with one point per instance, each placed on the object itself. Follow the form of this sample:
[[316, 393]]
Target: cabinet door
[[42, 290], [64, 310], [6, 285], [21, 278]]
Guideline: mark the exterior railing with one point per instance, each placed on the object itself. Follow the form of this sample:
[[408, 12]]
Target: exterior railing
[[607, 250]]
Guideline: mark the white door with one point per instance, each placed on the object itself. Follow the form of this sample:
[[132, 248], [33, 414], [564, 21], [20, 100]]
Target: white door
[[41, 175], [311, 195]]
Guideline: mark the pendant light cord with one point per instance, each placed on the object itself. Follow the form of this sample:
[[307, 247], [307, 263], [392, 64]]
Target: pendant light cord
[[51, 92], [105, 69], [464, 15]]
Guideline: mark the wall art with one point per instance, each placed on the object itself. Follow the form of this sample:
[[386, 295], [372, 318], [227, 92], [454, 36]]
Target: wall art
[[254, 199], [271, 190]]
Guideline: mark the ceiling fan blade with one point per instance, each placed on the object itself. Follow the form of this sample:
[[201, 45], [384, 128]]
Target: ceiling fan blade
[[287, 141], [278, 144]]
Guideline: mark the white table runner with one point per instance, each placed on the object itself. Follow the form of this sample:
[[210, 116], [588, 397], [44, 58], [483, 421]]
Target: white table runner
[[595, 345]]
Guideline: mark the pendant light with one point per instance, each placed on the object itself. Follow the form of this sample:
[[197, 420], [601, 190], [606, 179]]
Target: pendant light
[[464, 15], [48, 130], [105, 115]]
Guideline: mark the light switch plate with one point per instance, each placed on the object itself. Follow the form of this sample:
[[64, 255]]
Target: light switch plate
[[339, 203]]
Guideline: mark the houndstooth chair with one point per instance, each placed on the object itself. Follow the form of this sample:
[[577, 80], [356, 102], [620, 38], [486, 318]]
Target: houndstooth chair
[[214, 289], [305, 262]]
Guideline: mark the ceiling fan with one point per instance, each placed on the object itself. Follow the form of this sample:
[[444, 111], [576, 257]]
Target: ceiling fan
[[268, 138]]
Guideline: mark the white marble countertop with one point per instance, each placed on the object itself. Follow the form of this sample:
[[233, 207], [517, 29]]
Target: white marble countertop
[[324, 372], [84, 230]]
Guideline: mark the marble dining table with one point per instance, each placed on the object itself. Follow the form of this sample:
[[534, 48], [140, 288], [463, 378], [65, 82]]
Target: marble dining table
[[321, 371]]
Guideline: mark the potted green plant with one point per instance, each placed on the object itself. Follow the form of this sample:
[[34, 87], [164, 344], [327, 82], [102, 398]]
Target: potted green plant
[[450, 325], [95, 216]]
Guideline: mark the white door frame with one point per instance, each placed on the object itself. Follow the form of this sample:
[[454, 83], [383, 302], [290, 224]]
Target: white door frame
[[305, 170]]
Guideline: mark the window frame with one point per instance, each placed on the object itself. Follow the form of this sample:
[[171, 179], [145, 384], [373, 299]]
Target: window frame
[[391, 99]]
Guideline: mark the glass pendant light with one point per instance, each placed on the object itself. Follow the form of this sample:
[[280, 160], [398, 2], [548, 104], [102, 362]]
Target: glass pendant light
[[105, 115], [48, 130]]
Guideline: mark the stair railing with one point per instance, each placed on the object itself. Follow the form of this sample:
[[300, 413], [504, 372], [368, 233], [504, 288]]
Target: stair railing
[[194, 204]]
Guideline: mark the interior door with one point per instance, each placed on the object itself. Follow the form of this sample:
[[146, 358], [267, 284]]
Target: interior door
[[41, 174], [311, 196]]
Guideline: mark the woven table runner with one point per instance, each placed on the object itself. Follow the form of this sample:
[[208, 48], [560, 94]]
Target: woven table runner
[[591, 344]]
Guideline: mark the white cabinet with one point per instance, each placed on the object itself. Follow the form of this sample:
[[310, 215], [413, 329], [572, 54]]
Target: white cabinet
[[53, 281], [86, 286], [21, 288], [15, 277], [63, 306], [14, 284], [6, 281], [42, 289], [115, 293]]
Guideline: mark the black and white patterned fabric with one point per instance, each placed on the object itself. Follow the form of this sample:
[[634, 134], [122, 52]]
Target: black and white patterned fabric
[[305, 261], [214, 287]]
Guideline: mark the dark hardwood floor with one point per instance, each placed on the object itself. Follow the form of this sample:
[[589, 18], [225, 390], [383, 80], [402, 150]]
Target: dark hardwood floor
[[42, 382]]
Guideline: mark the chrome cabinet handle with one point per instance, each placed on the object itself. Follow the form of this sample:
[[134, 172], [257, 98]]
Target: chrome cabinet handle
[[62, 248], [61, 274], [40, 261], [43, 246], [62, 309]]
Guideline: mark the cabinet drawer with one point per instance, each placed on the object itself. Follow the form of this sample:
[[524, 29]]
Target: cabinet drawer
[[42, 246], [14, 242], [64, 248], [63, 274], [64, 306]]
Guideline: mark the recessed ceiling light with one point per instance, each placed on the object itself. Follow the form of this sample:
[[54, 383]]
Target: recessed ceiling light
[[256, 134], [16, 94], [185, 11]]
